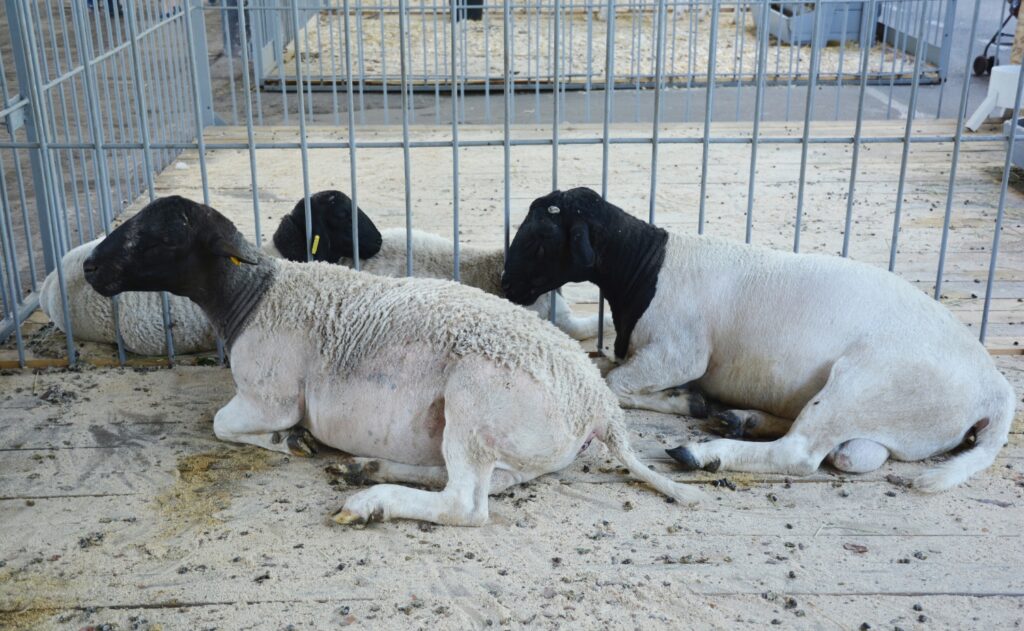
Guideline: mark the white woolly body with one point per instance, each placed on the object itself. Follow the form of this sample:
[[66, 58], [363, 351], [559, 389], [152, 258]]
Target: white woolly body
[[478, 267], [140, 313], [421, 373], [853, 353]]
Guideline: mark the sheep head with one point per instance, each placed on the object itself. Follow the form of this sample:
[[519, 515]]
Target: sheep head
[[170, 245], [331, 217], [552, 246]]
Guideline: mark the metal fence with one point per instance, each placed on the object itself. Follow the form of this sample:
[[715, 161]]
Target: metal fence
[[99, 99]]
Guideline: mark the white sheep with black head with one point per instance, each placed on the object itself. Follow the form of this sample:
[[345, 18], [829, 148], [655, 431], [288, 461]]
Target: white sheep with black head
[[828, 357], [432, 381]]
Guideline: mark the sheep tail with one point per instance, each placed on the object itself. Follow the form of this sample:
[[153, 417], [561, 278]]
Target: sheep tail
[[616, 439], [991, 434]]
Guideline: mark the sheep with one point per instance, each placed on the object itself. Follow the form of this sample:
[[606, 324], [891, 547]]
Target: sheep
[[826, 356], [140, 315], [432, 258], [421, 380]]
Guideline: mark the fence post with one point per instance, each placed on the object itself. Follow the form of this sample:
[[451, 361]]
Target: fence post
[[201, 54], [19, 51]]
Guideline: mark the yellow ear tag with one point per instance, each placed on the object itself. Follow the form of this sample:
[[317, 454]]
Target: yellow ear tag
[[235, 261], [316, 242]]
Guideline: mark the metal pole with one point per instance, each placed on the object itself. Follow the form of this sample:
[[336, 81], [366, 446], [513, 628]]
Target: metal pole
[[709, 101], [812, 79]]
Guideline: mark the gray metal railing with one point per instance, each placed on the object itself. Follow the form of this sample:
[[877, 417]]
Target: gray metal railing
[[97, 101]]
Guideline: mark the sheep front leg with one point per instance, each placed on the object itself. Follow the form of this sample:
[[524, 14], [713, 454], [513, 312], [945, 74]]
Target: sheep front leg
[[578, 327], [262, 423], [650, 380]]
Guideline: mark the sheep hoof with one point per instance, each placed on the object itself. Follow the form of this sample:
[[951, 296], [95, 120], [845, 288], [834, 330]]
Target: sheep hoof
[[682, 454], [696, 406], [688, 462], [345, 517], [730, 425], [355, 473], [301, 443]]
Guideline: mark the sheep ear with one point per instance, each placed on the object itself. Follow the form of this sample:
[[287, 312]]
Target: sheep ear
[[579, 242], [219, 246]]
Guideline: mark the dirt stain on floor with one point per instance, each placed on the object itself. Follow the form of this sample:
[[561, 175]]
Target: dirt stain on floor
[[205, 484]]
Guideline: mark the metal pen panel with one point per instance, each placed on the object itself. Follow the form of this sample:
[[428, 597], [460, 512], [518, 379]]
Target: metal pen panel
[[997, 231], [808, 113], [955, 158]]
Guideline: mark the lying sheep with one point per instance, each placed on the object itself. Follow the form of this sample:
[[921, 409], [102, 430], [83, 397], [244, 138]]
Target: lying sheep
[[140, 315], [432, 258], [830, 357], [429, 380]]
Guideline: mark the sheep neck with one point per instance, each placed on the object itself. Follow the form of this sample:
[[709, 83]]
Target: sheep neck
[[629, 258], [233, 292]]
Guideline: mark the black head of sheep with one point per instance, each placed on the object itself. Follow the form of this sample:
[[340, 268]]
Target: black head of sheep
[[166, 246], [331, 215], [552, 246]]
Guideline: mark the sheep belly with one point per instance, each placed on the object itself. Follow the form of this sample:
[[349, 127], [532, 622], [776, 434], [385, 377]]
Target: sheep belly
[[390, 406]]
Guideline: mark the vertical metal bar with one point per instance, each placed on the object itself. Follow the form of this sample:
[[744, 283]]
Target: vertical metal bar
[[487, 65], [609, 91], [334, 68], [555, 68], [249, 134], [11, 266], [1004, 188], [383, 66], [120, 159], [86, 55], [22, 49], [865, 57], [762, 63], [230, 54], [29, 78], [905, 158], [147, 152], [58, 183], [959, 136], [67, 129], [19, 175], [456, 275], [812, 81], [842, 50], [351, 146], [507, 63], [403, 29], [659, 63], [740, 11], [303, 140], [362, 62], [709, 101]]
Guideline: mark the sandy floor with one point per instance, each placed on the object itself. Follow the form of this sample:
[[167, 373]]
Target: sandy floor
[[120, 507]]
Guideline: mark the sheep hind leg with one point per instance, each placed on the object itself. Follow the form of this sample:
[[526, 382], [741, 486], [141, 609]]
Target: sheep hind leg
[[678, 400], [749, 424], [366, 471]]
